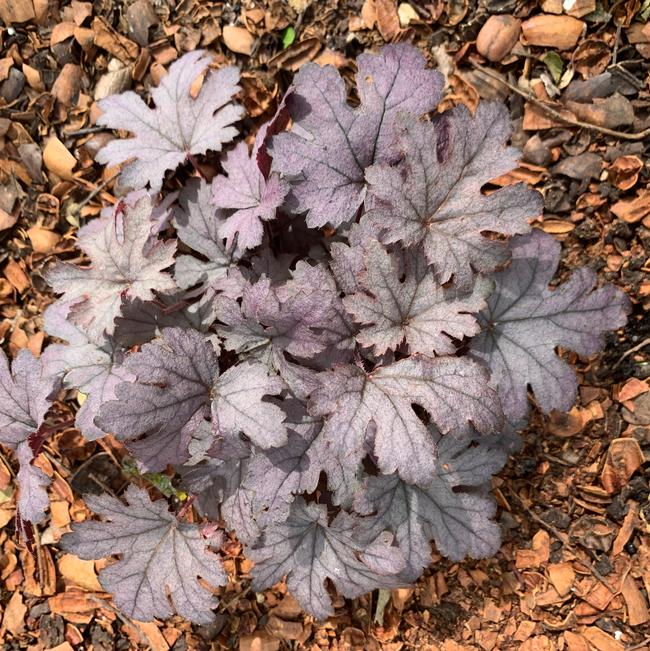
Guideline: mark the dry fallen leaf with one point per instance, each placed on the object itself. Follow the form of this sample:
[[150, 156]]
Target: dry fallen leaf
[[602, 641], [627, 528], [42, 239], [624, 172], [561, 32], [631, 389], [258, 642], [637, 605], [557, 226], [14, 615], [16, 11], [387, 19], [624, 457], [58, 159], [78, 572], [14, 272], [538, 554], [633, 210], [575, 641]]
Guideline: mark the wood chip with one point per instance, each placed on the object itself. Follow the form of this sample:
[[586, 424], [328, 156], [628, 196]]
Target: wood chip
[[238, 39], [16, 11], [13, 619], [14, 272], [561, 32], [633, 210], [602, 641], [498, 36], [627, 528], [258, 642], [58, 159], [576, 642], [637, 605], [42, 239], [79, 572], [631, 389], [562, 576], [387, 19], [624, 457], [154, 637], [538, 555]]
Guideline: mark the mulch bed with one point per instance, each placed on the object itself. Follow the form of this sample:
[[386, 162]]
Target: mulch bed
[[574, 569]]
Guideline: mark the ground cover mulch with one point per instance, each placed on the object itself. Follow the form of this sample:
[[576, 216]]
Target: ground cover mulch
[[574, 569]]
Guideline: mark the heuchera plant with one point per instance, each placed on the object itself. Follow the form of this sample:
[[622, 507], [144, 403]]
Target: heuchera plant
[[332, 343]]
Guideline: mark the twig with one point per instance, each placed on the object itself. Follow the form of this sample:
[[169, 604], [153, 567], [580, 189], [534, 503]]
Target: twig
[[631, 351], [640, 645], [562, 537], [83, 132], [616, 43], [556, 114], [7, 464], [94, 193], [223, 607], [103, 485]]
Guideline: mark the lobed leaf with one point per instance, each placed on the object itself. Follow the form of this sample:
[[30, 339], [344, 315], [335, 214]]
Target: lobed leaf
[[161, 560], [452, 390], [308, 550], [331, 144], [197, 224], [92, 369], [158, 411], [250, 197], [454, 509], [525, 321], [125, 264], [178, 127], [403, 302], [433, 196]]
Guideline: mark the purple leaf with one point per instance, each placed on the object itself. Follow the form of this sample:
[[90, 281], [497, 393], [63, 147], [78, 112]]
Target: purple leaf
[[331, 144], [161, 558], [416, 309], [125, 264], [454, 509], [197, 224], [433, 196], [160, 213], [25, 397], [94, 370], [33, 483], [170, 396], [452, 390], [237, 405], [276, 475], [302, 317], [253, 198], [308, 550], [222, 494], [176, 384], [525, 321], [142, 321], [178, 127]]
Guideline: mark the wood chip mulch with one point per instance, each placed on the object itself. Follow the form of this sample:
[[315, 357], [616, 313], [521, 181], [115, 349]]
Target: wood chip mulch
[[574, 569]]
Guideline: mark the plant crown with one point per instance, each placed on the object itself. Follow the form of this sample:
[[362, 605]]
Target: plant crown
[[331, 342]]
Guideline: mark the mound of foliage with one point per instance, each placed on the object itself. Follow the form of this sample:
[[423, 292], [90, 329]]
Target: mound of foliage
[[331, 343]]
